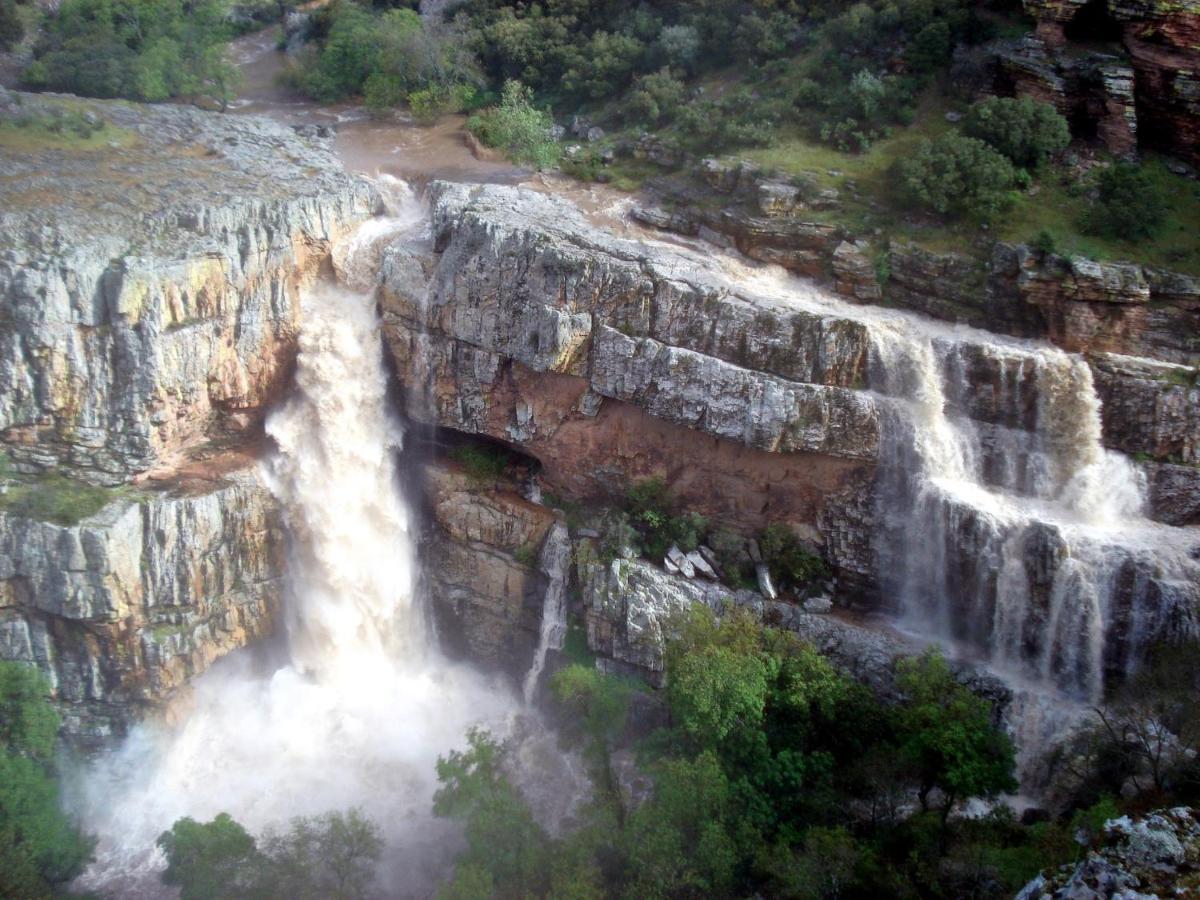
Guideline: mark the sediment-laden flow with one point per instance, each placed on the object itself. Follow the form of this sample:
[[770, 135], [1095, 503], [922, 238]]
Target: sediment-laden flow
[[1005, 526], [362, 706]]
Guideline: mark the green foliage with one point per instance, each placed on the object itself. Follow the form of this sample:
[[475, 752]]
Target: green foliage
[[598, 703], [948, 737], [791, 562], [388, 56], [40, 848], [656, 98], [12, 29], [680, 843], [484, 463], [526, 555], [1043, 242], [649, 506], [141, 49], [956, 176], [503, 840], [1026, 131], [328, 856], [54, 498], [517, 128], [1130, 204], [209, 860]]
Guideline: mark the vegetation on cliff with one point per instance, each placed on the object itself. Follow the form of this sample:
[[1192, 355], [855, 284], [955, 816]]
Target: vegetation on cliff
[[777, 775], [40, 848]]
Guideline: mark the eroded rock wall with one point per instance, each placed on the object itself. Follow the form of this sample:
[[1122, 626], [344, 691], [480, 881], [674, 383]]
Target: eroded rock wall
[[121, 610], [149, 293]]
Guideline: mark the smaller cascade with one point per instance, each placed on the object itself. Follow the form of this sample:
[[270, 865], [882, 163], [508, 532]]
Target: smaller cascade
[[554, 562]]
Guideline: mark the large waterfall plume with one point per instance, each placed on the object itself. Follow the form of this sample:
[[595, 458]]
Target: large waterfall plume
[[363, 705]]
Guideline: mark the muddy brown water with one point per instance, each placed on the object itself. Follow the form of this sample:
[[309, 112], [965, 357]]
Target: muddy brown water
[[401, 147]]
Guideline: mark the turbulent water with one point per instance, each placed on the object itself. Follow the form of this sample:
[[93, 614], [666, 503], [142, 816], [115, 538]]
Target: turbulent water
[[1007, 530], [364, 704]]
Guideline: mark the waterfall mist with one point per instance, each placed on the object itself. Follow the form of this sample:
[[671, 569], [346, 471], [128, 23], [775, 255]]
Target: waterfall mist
[[364, 704]]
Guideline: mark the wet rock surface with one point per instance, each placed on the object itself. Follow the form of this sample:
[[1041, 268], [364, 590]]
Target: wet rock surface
[[123, 609], [1156, 855], [149, 285]]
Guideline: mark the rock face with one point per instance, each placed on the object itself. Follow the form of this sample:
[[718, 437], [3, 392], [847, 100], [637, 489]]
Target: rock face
[[1157, 855], [543, 332], [1161, 40], [480, 566], [124, 608], [149, 306], [150, 291]]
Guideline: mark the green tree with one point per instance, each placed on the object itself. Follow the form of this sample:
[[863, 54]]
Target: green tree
[[947, 737], [210, 860], [12, 29], [680, 843], [1131, 206], [956, 176], [333, 855], [503, 840], [40, 848], [1026, 131], [518, 128]]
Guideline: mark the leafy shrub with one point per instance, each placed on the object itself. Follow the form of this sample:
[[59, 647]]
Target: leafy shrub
[[679, 46], [1044, 243], [483, 462], [948, 738], [930, 48], [431, 103], [1131, 206], [1024, 130], [656, 98], [517, 127], [40, 848], [12, 29], [649, 510], [145, 50], [792, 563], [956, 176]]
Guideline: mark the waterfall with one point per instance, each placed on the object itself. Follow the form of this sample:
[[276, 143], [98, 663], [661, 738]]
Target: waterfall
[[1007, 531], [554, 562], [360, 709], [1023, 542]]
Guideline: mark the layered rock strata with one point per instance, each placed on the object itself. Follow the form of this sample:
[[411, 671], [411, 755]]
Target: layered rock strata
[[150, 286], [121, 610], [536, 329]]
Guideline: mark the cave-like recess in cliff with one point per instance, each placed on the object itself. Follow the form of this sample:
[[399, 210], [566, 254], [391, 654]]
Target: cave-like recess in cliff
[[1093, 24]]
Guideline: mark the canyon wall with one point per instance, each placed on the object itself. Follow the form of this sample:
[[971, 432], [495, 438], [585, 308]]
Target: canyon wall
[[150, 290]]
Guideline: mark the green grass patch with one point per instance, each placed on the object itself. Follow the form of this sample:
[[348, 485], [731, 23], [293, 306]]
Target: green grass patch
[[575, 644], [1055, 206], [54, 498], [64, 126], [482, 463]]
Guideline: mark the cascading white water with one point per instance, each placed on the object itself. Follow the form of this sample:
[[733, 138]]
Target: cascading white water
[[553, 562], [363, 707], [1007, 528]]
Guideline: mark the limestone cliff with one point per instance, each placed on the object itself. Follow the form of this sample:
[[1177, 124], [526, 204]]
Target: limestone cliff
[[149, 306], [149, 287], [124, 608]]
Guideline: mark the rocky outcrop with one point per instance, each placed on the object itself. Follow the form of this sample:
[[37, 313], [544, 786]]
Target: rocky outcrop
[[479, 562], [121, 610], [1161, 40], [541, 331], [1156, 855], [149, 290]]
